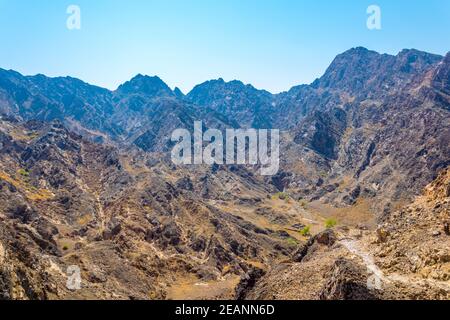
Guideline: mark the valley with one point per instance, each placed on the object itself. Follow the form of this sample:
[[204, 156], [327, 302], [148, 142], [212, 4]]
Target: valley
[[359, 208]]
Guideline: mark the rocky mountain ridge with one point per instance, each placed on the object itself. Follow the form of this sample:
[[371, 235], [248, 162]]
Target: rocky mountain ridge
[[86, 180], [348, 123]]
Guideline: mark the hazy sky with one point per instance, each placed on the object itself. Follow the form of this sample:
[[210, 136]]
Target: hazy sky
[[272, 44]]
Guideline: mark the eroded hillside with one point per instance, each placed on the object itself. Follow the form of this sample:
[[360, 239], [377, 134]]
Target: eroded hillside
[[86, 181], [407, 257], [136, 227]]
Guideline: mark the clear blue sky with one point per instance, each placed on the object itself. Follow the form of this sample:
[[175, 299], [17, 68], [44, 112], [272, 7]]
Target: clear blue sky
[[272, 44]]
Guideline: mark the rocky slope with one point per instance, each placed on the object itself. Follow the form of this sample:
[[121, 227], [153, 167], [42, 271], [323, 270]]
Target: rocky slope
[[407, 257], [379, 126], [415, 240], [373, 128], [86, 180], [136, 227]]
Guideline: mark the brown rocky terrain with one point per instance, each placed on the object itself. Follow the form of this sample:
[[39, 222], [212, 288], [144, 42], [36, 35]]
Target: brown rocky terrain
[[86, 180], [135, 227], [407, 257]]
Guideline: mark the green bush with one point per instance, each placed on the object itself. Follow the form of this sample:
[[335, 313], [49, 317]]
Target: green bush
[[282, 196], [292, 242], [23, 172], [306, 231], [330, 223]]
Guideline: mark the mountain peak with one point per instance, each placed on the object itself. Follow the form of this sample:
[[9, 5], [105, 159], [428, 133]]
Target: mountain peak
[[352, 69], [178, 93], [145, 85], [349, 69], [357, 52], [221, 84]]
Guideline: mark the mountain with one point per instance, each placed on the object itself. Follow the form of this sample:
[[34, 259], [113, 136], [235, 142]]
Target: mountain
[[406, 258], [251, 108], [364, 72], [379, 134], [42, 98], [136, 227], [145, 86], [86, 180]]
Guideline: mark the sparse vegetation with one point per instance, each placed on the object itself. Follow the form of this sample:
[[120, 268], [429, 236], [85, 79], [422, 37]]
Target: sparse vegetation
[[292, 242], [31, 192], [306, 231], [23, 172], [303, 203], [323, 174], [330, 223], [141, 227], [32, 135], [282, 196]]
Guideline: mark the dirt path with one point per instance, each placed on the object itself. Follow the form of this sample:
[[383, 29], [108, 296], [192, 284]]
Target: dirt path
[[380, 278], [352, 246]]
